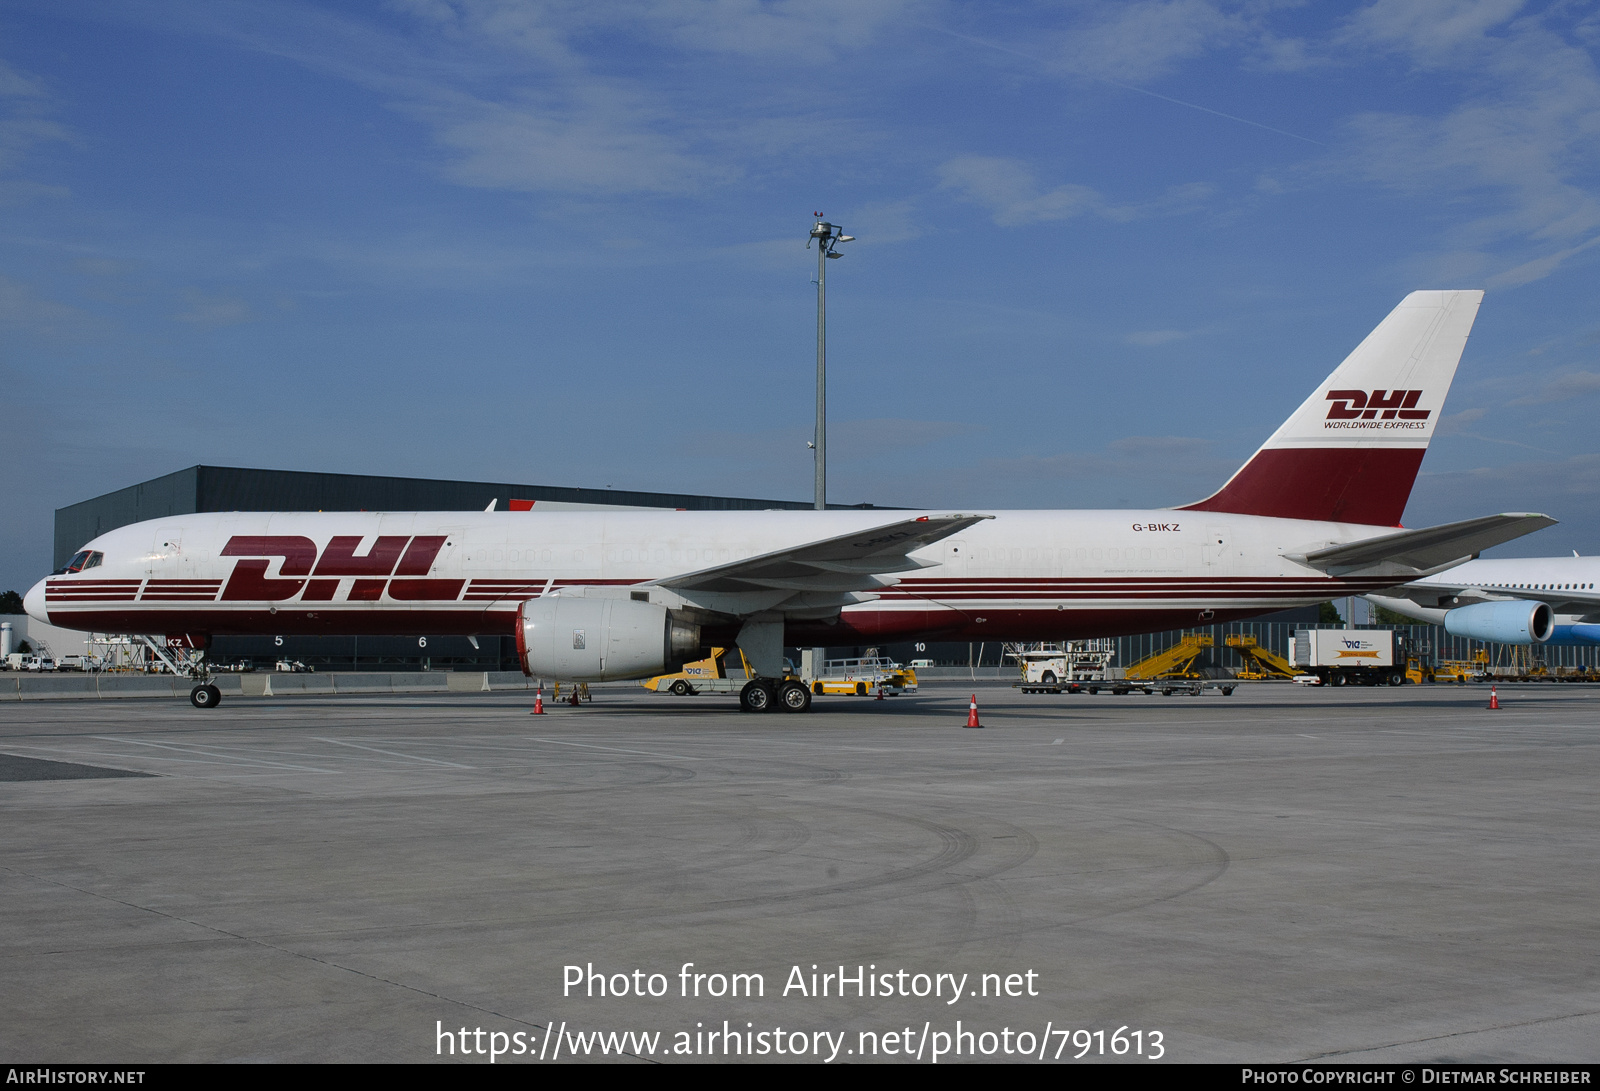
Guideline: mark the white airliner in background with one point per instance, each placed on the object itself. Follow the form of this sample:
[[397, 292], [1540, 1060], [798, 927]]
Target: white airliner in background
[[1532, 600], [1314, 514]]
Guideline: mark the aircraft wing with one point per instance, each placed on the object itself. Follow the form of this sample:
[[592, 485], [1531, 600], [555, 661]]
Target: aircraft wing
[[849, 562], [1429, 549]]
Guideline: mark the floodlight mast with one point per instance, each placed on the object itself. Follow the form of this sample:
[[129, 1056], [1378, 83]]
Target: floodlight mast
[[827, 237]]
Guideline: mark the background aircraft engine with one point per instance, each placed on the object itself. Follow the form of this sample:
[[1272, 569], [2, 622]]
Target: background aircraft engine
[[578, 639], [1519, 622]]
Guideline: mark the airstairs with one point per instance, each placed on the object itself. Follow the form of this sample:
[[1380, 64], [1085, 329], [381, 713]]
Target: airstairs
[[1259, 662], [1175, 662]]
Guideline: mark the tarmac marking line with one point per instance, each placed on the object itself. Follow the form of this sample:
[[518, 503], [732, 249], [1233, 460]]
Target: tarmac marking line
[[616, 749], [226, 758], [391, 753]]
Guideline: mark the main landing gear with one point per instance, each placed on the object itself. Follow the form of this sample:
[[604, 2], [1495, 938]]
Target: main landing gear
[[764, 695], [205, 696]]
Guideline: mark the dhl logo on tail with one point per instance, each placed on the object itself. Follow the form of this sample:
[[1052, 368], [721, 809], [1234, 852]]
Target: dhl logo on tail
[[1360, 405]]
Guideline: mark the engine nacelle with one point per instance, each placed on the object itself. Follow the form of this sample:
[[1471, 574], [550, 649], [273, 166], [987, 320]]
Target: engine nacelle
[[576, 639], [1519, 622]]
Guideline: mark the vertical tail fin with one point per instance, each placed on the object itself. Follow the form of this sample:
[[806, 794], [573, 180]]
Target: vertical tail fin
[[1350, 453]]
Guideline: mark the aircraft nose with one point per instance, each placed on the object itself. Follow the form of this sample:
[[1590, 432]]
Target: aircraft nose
[[33, 602]]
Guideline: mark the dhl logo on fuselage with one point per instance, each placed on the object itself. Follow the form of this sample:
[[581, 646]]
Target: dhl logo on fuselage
[[318, 576], [1364, 405]]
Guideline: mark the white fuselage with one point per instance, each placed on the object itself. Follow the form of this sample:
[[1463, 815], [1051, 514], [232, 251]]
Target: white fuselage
[[1017, 576]]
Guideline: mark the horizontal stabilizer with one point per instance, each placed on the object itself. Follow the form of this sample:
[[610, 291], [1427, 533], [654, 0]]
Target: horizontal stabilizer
[[1429, 548], [849, 562]]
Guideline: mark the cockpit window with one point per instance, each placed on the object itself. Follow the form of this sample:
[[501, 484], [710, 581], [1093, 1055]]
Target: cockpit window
[[81, 560]]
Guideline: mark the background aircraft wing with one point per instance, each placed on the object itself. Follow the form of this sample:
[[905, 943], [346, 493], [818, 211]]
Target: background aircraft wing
[[847, 563], [1443, 595], [1429, 549]]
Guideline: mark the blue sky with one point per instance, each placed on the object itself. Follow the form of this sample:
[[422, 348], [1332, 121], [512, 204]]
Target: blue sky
[[1103, 249]]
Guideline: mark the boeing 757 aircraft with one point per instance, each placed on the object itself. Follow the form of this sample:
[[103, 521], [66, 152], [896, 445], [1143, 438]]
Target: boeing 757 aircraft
[[1532, 600], [1314, 514]]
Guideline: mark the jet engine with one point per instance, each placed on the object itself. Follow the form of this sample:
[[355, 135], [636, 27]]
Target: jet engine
[[1519, 622], [577, 639]]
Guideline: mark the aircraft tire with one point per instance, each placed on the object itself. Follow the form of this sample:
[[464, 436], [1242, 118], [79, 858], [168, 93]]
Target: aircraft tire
[[757, 696], [794, 697], [207, 696]]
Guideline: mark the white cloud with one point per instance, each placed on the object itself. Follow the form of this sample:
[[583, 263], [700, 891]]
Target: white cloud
[[543, 97], [24, 123], [604, 145], [1138, 42], [1561, 388], [1153, 338], [1014, 196], [1522, 145], [1008, 188], [799, 32], [23, 308], [890, 221], [204, 310], [1437, 31], [1456, 423]]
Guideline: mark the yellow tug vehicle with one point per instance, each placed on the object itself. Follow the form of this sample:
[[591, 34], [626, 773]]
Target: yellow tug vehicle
[[712, 674], [726, 670]]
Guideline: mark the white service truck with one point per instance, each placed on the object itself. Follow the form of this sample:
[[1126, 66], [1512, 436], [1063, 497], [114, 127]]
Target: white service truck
[[1354, 657]]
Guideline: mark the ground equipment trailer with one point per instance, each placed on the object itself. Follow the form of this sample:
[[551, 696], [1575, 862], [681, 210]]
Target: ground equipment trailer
[[864, 678], [1185, 687]]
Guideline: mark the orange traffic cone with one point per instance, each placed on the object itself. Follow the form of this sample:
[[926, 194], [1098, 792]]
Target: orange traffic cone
[[972, 713], [1494, 698], [538, 702]]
